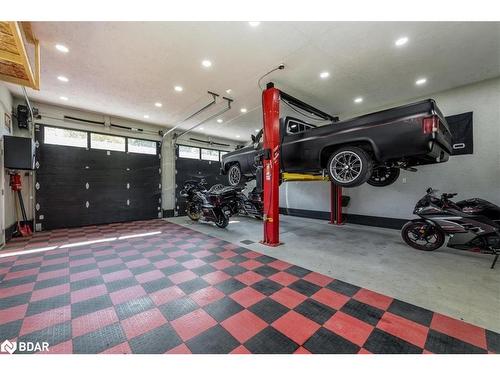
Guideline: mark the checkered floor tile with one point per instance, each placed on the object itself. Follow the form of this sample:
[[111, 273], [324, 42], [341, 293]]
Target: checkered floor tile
[[181, 291]]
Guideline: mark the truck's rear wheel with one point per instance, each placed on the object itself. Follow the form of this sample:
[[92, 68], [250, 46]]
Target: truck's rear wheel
[[383, 176], [350, 166]]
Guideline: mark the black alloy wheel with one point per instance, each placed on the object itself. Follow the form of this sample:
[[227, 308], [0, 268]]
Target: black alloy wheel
[[350, 166], [383, 176], [422, 236]]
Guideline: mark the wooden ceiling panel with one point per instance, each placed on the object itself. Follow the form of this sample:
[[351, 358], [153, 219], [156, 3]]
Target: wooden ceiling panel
[[15, 66]]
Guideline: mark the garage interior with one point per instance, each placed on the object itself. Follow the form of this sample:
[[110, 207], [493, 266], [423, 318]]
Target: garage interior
[[119, 116]]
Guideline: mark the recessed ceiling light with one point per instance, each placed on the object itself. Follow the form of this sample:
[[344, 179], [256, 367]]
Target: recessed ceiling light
[[146, 116], [243, 110], [158, 104], [178, 88], [202, 128], [219, 120], [206, 63], [420, 81], [237, 136], [401, 41], [65, 98], [254, 23], [228, 91], [324, 75], [63, 78], [62, 48], [358, 100]]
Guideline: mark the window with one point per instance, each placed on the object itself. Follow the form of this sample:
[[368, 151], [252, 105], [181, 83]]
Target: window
[[209, 154], [222, 153], [294, 127], [107, 142], [141, 146], [64, 137], [189, 152]]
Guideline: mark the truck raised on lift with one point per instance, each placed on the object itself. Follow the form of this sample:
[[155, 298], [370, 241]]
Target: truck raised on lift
[[370, 148]]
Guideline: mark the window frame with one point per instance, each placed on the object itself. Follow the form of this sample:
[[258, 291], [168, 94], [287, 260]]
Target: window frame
[[70, 129], [183, 157], [109, 135], [40, 127], [200, 148], [210, 149], [141, 139]]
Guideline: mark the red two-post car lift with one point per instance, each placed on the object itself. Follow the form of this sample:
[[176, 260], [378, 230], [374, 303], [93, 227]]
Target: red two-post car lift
[[271, 98]]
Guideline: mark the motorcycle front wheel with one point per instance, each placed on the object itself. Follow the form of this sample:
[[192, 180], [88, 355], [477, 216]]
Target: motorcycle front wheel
[[422, 236], [193, 211], [222, 221]]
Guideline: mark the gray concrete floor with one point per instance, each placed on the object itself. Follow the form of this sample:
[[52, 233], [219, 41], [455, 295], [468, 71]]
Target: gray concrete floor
[[456, 283]]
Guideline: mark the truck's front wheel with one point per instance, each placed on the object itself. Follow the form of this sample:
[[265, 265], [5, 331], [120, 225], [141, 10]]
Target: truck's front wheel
[[350, 166], [234, 175]]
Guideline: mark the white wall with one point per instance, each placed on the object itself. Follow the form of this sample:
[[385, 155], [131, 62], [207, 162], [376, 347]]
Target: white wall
[[476, 175], [8, 199], [5, 107]]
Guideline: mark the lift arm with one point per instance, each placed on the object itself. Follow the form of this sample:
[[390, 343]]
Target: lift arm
[[214, 100], [208, 119]]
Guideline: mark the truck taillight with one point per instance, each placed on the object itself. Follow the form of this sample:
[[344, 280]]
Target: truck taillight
[[430, 124]]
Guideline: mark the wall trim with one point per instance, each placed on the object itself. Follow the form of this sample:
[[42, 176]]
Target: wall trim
[[374, 221]]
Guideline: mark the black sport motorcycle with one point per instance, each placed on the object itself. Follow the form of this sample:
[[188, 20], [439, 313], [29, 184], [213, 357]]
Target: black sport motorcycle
[[216, 204], [472, 224]]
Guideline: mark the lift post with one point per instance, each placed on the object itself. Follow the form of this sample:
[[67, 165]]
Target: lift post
[[271, 98], [271, 164], [336, 204]]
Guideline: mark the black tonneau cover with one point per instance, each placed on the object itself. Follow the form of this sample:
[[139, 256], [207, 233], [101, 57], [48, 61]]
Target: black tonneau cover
[[425, 107]]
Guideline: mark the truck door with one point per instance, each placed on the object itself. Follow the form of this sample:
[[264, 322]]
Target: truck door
[[292, 146]]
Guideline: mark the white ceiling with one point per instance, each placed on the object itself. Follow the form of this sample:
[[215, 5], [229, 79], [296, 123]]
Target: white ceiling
[[123, 68]]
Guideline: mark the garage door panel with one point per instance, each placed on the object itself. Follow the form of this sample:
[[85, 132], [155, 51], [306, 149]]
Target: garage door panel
[[78, 186], [54, 156]]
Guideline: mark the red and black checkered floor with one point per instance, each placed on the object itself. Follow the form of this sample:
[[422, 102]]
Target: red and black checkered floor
[[181, 291]]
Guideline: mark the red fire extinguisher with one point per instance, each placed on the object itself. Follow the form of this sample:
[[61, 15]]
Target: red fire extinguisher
[[23, 227]]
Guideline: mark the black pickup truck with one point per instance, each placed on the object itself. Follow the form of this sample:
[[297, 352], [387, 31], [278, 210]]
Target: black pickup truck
[[370, 148]]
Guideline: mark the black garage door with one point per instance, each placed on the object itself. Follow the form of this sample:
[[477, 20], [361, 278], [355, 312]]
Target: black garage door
[[79, 182]]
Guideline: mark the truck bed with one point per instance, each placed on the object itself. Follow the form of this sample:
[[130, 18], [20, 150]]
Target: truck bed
[[423, 108]]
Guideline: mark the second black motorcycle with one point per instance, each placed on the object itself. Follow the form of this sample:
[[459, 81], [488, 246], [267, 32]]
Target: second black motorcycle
[[216, 204], [472, 224], [251, 204]]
